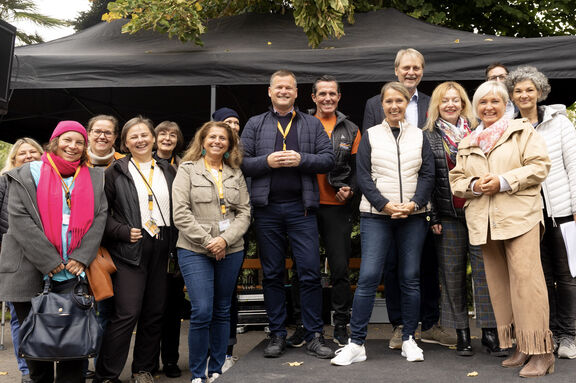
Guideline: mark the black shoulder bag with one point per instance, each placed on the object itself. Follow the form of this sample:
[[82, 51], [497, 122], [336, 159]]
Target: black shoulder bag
[[61, 326]]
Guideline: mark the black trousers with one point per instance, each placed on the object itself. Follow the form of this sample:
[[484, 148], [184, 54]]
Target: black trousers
[[335, 228], [139, 297], [175, 302], [43, 372], [561, 286]]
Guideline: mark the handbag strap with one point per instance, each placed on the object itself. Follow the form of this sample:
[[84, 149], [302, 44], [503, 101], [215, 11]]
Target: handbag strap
[[47, 285]]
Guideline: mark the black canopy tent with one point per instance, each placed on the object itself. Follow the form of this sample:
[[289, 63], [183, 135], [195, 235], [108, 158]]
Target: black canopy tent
[[101, 70]]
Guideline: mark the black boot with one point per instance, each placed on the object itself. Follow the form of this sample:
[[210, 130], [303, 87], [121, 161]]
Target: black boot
[[490, 341], [463, 345]]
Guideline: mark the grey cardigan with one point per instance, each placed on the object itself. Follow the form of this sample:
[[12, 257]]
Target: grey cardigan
[[27, 254]]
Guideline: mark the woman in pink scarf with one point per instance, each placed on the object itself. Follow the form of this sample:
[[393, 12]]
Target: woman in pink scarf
[[499, 169], [57, 211]]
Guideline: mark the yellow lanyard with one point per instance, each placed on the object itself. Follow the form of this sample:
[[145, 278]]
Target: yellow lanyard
[[149, 183], [64, 186], [219, 184], [172, 161], [283, 132]]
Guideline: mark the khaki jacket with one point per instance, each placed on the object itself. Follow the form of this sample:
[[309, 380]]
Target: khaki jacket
[[521, 157], [197, 209]]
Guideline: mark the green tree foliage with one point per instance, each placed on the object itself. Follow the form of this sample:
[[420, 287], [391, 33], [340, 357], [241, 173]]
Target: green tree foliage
[[320, 19], [26, 10], [92, 16], [571, 110]]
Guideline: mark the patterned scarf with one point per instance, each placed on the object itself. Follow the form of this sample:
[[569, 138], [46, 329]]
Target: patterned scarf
[[488, 137], [50, 201], [452, 135]]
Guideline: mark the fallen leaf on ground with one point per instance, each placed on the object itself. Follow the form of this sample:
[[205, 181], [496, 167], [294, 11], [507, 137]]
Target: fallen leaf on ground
[[3, 373], [473, 373], [294, 364]]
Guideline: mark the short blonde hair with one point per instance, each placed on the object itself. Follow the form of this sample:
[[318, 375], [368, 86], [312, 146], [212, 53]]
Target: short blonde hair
[[410, 51], [10, 160], [194, 151], [436, 100], [495, 87]]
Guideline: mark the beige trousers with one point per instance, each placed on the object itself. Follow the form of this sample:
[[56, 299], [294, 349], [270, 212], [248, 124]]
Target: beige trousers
[[518, 292]]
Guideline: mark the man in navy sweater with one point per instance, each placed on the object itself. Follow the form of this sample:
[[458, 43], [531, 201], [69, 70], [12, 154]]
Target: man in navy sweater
[[284, 149]]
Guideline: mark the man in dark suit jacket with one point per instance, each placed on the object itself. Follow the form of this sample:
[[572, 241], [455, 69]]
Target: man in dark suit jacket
[[409, 68]]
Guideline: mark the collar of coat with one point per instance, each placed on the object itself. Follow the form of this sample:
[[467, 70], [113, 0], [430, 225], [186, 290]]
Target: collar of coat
[[513, 126]]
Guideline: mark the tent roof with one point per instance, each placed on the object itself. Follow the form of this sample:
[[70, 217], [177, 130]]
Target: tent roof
[[246, 49]]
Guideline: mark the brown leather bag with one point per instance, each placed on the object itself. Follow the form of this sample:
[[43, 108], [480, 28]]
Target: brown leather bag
[[99, 275]]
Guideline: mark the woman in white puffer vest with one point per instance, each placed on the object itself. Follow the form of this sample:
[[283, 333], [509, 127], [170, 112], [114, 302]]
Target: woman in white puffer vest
[[395, 173], [527, 86]]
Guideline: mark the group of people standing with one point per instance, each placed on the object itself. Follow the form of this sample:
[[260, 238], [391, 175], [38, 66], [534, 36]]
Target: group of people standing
[[441, 178], [486, 176]]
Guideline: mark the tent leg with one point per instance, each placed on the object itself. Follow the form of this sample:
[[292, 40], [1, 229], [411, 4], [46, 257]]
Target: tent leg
[[3, 324], [212, 100]]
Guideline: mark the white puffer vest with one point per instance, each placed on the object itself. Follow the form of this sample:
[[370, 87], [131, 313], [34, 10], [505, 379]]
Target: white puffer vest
[[395, 163], [559, 188]]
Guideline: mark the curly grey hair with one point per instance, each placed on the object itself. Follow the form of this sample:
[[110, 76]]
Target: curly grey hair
[[524, 73]]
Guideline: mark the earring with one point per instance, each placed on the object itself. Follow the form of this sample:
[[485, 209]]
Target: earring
[[203, 152], [226, 155]]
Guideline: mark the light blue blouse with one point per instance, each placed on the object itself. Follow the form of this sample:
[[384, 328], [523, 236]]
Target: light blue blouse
[[66, 237]]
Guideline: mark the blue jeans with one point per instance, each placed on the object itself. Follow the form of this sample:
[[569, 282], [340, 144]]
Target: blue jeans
[[274, 225], [378, 234], [15, 330], [210, 284]]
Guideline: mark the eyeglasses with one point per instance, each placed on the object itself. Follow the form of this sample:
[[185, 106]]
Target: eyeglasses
[[500, 77], [106, 133]]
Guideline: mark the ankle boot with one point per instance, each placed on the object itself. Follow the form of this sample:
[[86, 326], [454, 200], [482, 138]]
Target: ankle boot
[[539, 365], [463, 346], [490, 341], [516, 360]]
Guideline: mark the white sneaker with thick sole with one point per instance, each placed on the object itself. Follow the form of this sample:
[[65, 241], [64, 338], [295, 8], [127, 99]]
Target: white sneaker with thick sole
[[196, 380], [213, 377], [411, 351], [351, 353], [567, 348]]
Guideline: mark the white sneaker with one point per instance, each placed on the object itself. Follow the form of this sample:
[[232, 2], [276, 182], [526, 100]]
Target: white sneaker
[[196, 380], [567, 348], [351, 353], [411, 351], [229, 362], [213, 377]]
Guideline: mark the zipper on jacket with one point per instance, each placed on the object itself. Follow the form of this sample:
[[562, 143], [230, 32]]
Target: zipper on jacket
[[399, 169], [547, 202]]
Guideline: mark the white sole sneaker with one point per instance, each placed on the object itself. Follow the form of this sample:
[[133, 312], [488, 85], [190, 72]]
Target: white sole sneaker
[[411, 351], [351, 353]]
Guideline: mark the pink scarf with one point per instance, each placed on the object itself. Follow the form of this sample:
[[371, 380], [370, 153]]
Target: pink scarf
[[488, 137], [49, 198]]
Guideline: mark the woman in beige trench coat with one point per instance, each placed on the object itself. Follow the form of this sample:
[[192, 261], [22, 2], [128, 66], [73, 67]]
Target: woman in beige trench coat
[[499, 170]]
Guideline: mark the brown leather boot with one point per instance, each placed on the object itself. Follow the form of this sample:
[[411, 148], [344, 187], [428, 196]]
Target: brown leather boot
[[539, 365], [516, 360]]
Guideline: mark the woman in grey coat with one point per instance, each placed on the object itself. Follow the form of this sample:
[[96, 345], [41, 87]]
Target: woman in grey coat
[[56, 216]]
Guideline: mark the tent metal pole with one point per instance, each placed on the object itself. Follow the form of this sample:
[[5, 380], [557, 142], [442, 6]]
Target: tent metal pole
[[212, 100], [3, 324]]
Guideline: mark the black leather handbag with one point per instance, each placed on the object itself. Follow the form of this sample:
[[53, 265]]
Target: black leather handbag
[[61, 325]]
